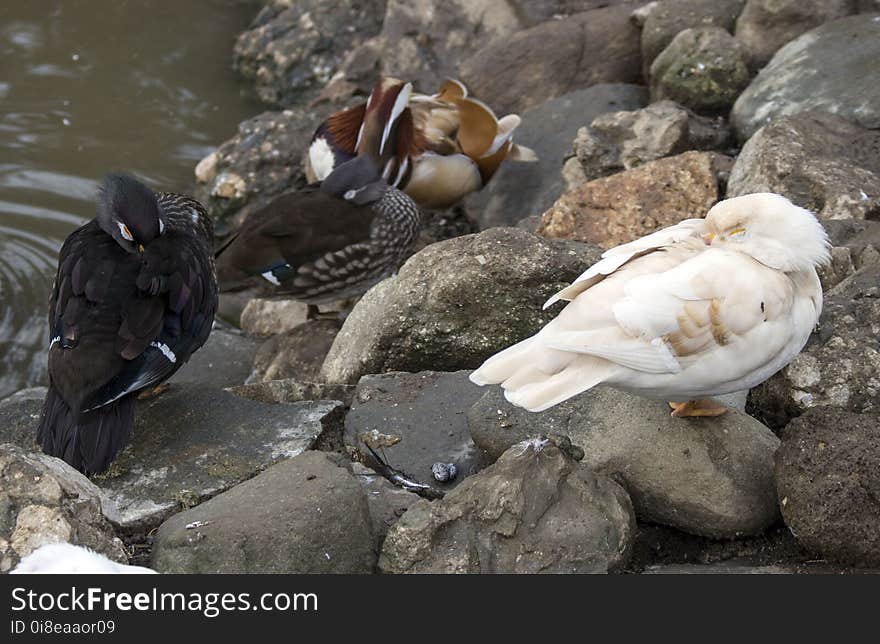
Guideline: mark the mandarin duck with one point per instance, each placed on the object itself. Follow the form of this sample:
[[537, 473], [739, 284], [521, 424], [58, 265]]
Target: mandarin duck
[[134, 298], [437, 149], [328, 241], [703, 308]]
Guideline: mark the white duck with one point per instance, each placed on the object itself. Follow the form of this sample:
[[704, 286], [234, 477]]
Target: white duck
[[703, 308], [68, 559]]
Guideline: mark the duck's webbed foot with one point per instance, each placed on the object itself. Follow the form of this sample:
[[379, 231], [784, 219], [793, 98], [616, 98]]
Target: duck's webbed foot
[[704, 407]]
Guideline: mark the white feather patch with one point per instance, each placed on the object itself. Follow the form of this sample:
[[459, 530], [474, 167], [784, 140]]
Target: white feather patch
[[54, 341], [400, 104], [166, 351], [321, 158], [269, 275]]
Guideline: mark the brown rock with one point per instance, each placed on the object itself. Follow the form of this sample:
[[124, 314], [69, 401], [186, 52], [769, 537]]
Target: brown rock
[[628, 205], [554, 58]]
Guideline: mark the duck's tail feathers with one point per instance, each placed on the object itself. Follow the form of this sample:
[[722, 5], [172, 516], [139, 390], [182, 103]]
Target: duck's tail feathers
[[536, 384], [89, 441]]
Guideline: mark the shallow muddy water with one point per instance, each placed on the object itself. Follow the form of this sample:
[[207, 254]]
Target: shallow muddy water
[[90, 86]]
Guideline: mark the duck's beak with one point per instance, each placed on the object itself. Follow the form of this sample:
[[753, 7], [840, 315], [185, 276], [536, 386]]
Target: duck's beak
[[707, 238], [140, 248]]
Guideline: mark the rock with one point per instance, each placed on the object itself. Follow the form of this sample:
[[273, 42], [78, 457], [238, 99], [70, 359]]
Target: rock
[[387, 501], [305, 515], [670, 17], [519, 190], [554, 58], [711, 477], [831, 68], [766, 25], [818, 160], [658, 545], [223, 361], [855, 244], [298, 353], [263, 160], [292, 49], [290, 390], [828, 474], [423, 40], [454, 304], [43, 500], [426, 412], [535, 510], [840, 366], [625, 206], [272, 316], [703, 69], [193, 442], [24, 396], [623, 140], [19, 415], [723, 568]]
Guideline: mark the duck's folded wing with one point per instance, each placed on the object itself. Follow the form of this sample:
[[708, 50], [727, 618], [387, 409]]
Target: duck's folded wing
[[170, 318], [716, 304], [613, 258], [294, 230]]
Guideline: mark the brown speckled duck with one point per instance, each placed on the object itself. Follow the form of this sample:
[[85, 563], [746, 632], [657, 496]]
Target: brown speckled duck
[[436, 148]]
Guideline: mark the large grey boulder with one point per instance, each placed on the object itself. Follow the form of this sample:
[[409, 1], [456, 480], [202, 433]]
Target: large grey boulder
[[766, 25], [305, 515], [535, 510], [454, 304], [43, 500], [818, 160], [840, 366], [554, 58], [520, 190], [424, 41], [828, 477], [711, 477], [832, 68], [702, 68], [425, 413]]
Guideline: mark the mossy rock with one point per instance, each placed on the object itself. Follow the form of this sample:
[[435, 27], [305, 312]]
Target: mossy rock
[[703, 69]]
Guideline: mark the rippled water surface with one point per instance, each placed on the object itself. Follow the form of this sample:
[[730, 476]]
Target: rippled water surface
[[89, 86]]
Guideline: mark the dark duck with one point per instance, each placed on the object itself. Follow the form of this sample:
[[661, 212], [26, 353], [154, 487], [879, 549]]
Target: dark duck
[[134, 298], [329, 241]]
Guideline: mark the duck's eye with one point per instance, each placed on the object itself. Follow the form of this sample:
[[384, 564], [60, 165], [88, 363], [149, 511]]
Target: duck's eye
[[124, 231]]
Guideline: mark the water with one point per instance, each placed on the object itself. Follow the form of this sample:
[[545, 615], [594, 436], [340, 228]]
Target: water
[[86, 87]]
